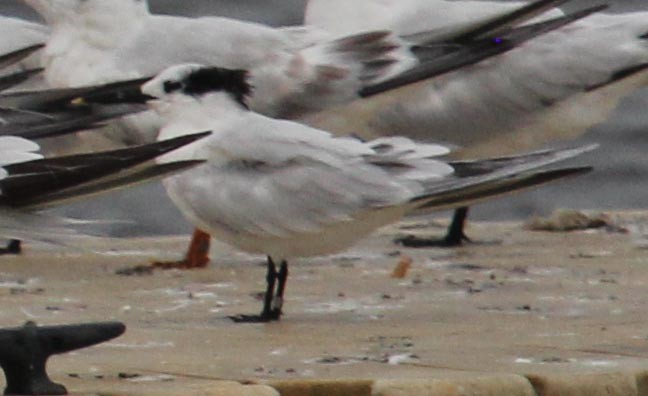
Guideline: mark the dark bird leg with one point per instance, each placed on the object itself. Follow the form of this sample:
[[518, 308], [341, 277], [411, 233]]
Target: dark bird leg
[[13, 247], [24, 352], [271, 280], [268, 314], [282, 277], [454, 237]]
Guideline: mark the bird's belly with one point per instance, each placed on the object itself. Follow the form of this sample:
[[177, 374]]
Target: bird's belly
[[328, 239]]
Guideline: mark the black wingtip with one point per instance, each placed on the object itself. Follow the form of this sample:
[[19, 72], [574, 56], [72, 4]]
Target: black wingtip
[[470, 193], [16, 56], [121, 92], [11, 80], [620, 75], [172, 144], [76, 118], [29, 183]]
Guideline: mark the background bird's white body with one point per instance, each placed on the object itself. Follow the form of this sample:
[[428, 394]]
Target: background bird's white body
[[533, 95], [403, 16], [95, 42]]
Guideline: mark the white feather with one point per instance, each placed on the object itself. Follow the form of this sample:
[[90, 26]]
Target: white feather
[[14, 150]]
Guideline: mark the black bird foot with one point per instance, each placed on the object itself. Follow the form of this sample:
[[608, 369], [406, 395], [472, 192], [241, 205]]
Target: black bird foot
[[264, 317], [24, 352], [14, 247]]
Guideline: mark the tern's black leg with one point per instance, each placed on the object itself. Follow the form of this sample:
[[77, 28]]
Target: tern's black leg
[[13, 247], [282, 278], [24, 352], [271, 280], [268, 314], [454, 237]]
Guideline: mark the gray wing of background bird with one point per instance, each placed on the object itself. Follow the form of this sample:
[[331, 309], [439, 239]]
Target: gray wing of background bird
[[468, 48], [51, 181], [53, 112]]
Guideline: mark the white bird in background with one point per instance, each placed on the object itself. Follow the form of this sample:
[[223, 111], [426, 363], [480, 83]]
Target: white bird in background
[[287, 190], [406, 17], [554, 87], [294, 70]]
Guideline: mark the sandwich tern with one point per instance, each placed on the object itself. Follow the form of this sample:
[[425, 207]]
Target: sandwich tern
[[287, 190]]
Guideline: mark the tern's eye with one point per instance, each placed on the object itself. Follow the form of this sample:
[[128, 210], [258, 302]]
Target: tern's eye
[[172, 86]]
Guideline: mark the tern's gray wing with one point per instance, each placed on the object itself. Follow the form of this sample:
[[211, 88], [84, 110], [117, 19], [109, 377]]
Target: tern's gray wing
[[478, 180], [466, 192], [288, 178], [438, 58], [40, 182], [35, 125]]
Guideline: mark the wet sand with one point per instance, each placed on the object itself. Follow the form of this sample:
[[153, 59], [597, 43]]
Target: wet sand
[[523, 302]]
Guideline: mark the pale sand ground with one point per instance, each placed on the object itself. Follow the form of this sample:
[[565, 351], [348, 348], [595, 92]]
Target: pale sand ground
[[534, 303]]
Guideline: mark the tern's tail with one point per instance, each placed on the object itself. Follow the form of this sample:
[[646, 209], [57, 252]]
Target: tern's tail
[[475, 181]]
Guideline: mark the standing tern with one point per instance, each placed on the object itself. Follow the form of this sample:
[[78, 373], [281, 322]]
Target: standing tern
[[554, 87], [293, 70], [287, 190]]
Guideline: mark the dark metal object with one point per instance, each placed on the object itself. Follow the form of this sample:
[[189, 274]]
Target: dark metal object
[[24, 352]]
